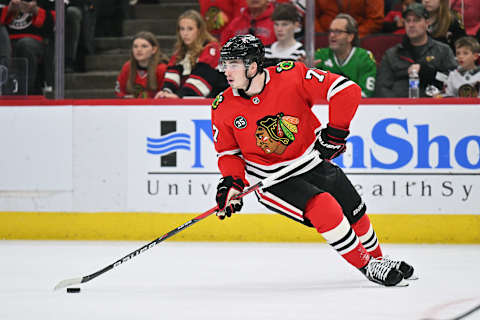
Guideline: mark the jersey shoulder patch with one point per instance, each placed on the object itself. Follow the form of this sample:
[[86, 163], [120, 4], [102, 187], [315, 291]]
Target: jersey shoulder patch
[[285, 66], [216, 102]]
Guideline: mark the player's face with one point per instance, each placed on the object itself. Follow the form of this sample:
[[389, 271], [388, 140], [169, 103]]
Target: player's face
[[466, 58], [338, 37], [235, 73], [415, 26], [284, 29], [143, 51], [188, 30]]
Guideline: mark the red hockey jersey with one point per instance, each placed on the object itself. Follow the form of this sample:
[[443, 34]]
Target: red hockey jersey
[[261, 26], [260, 134], [140, 86], [200, 80], [219, 13], [25, 25]]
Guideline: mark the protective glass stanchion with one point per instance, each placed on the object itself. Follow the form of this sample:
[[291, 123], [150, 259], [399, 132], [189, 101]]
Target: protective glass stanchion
[[14, 79]]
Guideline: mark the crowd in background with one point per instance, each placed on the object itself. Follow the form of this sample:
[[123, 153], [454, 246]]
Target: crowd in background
[[438, 43]]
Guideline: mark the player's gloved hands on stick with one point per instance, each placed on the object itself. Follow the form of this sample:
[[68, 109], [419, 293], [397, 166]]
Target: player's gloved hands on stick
[[331, 142], [227, 188]]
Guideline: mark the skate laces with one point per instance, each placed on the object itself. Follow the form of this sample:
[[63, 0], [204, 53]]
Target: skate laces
[[377, 269], [391, 263]]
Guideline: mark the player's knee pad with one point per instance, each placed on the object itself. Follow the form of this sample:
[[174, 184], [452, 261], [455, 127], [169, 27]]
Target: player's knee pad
[[324, 212]]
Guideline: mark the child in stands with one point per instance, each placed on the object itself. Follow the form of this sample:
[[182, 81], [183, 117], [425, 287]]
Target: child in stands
[[192, 69], [465, 80], [285, 22], [142, 75]]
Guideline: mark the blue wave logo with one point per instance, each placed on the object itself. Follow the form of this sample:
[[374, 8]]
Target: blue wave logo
[[168, 143]]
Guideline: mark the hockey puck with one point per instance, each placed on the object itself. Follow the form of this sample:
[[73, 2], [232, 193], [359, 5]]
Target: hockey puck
[[73, 290]]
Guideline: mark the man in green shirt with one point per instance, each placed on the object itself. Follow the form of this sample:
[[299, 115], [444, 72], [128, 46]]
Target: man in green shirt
[[343, 56]]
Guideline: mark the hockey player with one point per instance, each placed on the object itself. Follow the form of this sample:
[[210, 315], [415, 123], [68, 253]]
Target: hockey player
[[264, 122]]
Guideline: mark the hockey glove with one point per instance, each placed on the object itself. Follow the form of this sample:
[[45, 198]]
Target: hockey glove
[[331, 142], [227, 188]]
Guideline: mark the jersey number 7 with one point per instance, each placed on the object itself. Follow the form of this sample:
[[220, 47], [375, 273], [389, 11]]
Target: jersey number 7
[[312, 73]]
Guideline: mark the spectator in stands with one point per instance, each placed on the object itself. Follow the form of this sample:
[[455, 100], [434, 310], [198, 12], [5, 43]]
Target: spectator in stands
[[285, 21], [419, 52], [393, 22], [369, 14], [470, 11], [192, 68], [444, 24], [343, 56], [219, 13], [143, 75], [300, 5], [80, 20], [28, 24], [5, 48], [465, 80], [256, 20]]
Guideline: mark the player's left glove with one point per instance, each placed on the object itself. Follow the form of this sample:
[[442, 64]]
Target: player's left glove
[[227, 188], [331, 142]]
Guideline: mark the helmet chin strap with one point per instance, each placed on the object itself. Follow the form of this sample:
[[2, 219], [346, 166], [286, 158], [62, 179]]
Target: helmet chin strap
[[249, 78]]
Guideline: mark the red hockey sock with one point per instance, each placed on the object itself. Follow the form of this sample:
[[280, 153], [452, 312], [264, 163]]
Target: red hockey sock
[[327, 217], [364, 230]]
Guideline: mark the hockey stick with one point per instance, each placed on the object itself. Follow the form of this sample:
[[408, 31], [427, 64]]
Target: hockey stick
[[271, 180]]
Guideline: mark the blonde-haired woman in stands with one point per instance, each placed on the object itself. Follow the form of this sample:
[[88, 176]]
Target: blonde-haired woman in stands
[[192, 68], [444, 25], [142, 75]]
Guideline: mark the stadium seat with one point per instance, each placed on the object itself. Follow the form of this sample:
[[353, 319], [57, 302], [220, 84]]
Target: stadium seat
[[379, 43], [321, 40]]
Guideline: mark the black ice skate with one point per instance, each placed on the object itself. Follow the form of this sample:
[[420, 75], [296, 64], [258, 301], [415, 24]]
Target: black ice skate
[[382, 273], [402, 266]]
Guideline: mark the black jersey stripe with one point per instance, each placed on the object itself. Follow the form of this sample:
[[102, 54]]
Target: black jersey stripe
[[340, 83]]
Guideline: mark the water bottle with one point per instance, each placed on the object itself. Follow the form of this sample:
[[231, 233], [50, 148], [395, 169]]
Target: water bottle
[[413, 85]]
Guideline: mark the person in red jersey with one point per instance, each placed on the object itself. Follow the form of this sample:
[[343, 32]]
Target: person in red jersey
[[142, 76], [192, 70], [255, 19], [219, 13], [264, 122], [30, 25]]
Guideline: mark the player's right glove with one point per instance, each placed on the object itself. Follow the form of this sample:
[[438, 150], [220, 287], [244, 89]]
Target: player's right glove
[[227, 188], [331, 142]]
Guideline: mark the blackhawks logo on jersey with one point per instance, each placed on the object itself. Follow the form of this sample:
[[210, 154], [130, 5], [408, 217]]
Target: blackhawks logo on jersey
[[275, 133], [139, 92], [285, 66], [217, 101]]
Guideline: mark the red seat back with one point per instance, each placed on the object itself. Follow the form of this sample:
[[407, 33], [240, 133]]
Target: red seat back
[[379, 43], [321, 40]]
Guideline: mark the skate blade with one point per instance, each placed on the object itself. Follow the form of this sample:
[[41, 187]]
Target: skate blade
[[402, 283], [413, 277]]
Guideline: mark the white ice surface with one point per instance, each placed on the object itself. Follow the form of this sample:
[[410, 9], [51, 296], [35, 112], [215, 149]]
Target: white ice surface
[[230, 281]]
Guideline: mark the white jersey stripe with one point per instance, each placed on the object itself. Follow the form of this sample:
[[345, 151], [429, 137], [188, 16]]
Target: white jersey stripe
[[336, 88], [202, 87], [273, 201], [175, 77], [230, 152], [256, 172]]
